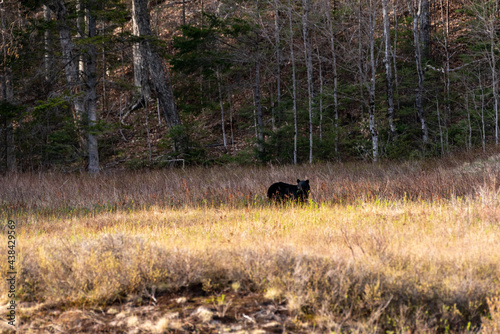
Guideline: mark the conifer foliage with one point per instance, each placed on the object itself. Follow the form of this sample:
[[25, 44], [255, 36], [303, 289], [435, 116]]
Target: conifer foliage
[[87, 85]]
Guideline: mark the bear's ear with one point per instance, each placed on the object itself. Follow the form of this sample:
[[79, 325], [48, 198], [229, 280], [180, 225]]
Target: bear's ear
[[298, 181]]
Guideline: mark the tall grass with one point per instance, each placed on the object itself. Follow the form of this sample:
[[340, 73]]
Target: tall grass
[[330, 183], [379, 248]]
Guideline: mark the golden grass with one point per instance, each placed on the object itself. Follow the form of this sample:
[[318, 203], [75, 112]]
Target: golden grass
[[366, 264]]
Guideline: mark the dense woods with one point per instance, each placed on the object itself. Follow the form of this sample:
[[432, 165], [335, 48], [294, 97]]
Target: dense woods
[[91, 84]]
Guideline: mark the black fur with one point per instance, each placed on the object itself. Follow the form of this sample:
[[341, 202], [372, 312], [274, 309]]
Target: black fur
[[282, 192]]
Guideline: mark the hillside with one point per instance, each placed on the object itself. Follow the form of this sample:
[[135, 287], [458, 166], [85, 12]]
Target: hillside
[[252, 82]]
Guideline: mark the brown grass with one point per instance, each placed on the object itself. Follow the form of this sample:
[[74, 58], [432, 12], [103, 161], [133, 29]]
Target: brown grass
[[398, 248], [330, 183]]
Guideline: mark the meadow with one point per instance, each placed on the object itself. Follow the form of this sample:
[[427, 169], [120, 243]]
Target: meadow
[[411, 247]]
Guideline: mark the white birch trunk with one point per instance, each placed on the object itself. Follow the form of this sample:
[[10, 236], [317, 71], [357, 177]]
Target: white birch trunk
[[494, 78], [92, 94], [221, 103], [47, 44], [388, 69], [309, 66], [446, 73], [277, 39], [371, 109], [320, 73], [394, 51], [335, 81], [420, 72]]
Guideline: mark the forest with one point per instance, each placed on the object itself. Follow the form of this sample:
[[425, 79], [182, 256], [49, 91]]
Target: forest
[[89, 85], [386, 109]]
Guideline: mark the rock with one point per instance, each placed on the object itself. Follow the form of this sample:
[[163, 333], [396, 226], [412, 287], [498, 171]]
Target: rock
[[203, 313], [181, 300], [113, 311]]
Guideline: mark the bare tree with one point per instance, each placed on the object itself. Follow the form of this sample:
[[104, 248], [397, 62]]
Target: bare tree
[[372, 10], [331, 35], [221, 103], [443, 133], [480, 108], [321, 84], [388, 68], [310, 81]]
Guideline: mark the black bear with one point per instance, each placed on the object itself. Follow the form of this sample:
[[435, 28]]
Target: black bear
[[282, 192]]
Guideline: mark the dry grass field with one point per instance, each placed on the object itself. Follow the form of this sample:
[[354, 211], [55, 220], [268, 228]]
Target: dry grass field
[[396, 248]]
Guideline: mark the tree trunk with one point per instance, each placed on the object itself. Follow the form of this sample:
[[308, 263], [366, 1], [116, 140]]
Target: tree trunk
[[141, 72], [371, 109], [183, 12], [361, 59], [494, 78], [468, 143], [424, 15], [258, 107], [277, 40], [335, 81], [11, 148], [47, 40], [309, 66], [294, 85], [420, 73], [68, 57], [7, 95], [320, 74], [71, 67], [92, 92], [231, 122], [441, 137], [388, 69], [160, 80], [447, 107], [258, 102], [394, 51], [223, 122], [482, 129]]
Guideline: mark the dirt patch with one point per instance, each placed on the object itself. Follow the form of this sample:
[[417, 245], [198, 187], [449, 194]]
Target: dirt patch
[[183, 312]]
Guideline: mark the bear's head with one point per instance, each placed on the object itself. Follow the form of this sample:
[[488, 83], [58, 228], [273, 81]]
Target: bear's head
[[303, 189]]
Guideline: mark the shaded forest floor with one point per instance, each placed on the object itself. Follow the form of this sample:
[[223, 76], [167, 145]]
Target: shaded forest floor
[[402, 247]]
